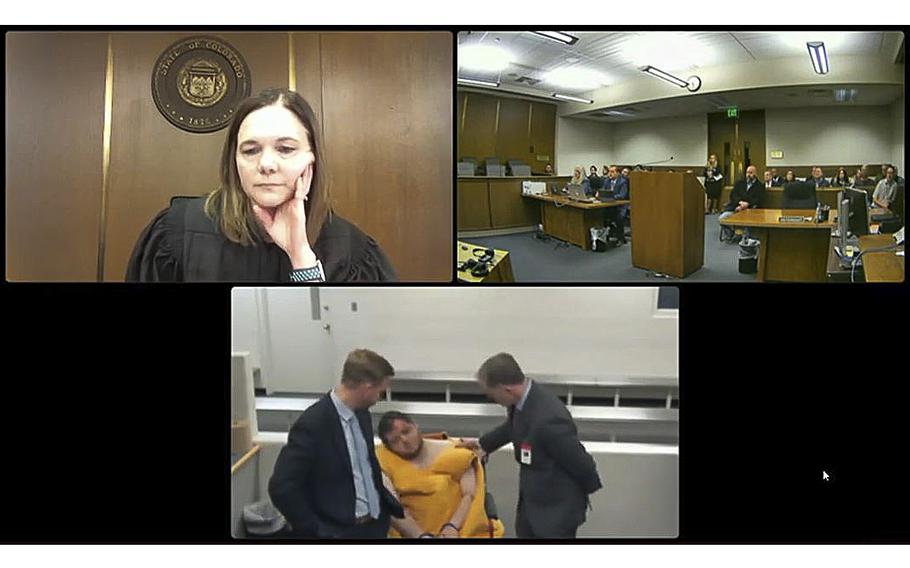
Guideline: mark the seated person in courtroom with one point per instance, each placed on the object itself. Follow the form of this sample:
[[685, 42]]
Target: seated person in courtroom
[[776, 180], [548, 170], [746, 194], [818, 178], [578, 178], [619, 187], [841, 179], [862, 178], [440, 486], [594, 180], [769, 179], [789, 177], [886, 189]]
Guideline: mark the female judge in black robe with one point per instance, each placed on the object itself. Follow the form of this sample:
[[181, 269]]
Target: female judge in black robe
[[270, 220]]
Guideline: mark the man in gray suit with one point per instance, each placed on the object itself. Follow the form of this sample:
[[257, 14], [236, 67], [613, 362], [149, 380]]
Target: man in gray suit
[[556, 473]]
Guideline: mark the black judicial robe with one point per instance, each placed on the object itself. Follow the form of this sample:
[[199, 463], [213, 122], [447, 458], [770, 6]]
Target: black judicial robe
[[182, 244]]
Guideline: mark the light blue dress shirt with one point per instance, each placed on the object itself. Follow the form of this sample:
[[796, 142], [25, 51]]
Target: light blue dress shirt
[[366, 501]]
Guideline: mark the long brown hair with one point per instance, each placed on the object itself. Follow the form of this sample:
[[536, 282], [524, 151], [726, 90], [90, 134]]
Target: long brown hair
[[231, 208]]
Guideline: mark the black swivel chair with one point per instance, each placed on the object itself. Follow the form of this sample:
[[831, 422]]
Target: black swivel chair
[[799, 195]]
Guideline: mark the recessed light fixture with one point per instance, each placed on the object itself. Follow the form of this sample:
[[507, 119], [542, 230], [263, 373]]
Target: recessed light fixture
[[845, 95], [819, 56], [571, 98], [617, 113], [561, 37], [477, 82], [575, 79], [692, 84]]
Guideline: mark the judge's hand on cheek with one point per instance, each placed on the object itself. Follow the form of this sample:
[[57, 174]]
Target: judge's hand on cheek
[[286, 224]]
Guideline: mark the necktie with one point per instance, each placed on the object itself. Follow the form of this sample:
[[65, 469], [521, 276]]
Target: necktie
[[363, 463]]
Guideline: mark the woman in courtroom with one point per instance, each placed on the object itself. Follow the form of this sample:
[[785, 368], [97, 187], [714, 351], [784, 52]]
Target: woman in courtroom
[[270, 220], [712, 185]]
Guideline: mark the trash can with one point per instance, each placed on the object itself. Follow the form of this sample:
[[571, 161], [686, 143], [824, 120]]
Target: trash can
[[748, 255]]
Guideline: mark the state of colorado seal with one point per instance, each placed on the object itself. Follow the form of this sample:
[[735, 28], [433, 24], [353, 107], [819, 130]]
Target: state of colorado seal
[[198, 82]]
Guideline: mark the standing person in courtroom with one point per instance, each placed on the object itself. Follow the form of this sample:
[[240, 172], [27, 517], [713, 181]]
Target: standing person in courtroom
[[556, 473], [327, 481]]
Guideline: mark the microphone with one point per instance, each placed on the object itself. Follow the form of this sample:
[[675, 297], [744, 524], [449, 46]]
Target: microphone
[[670, 159]]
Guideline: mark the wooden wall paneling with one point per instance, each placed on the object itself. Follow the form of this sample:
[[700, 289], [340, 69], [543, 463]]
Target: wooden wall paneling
[[151, 160], [543, 136], [512, 136], [508, 208], [387, 108], [473, 205], [478, 137], [54, 123], [308, 63], [752, 131]]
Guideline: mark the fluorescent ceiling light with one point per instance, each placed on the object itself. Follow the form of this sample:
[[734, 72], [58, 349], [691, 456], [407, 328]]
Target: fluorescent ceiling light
[[483, 57], [819, 56], [478, 82], [560, 37], [664, 75], [617, 113], [575, 78], [571, 98]]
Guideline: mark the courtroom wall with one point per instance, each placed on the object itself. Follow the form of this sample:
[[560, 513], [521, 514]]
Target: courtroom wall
[[897, 134], [684, 137], [581, 142], [442, 330], [829, 135]]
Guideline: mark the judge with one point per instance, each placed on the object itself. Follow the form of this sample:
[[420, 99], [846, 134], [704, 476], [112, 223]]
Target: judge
[[270, 219]]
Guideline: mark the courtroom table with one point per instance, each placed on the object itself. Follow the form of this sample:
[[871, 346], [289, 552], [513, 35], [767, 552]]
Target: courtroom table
[[493, 205], [774, 197], [501, 270], [884, 266], [789, 252], [571, 221]]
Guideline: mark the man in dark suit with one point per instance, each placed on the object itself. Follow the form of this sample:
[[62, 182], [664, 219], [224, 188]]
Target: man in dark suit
[[618, 186], [776, 180], [327, 482], [746, 194], [556, 473]]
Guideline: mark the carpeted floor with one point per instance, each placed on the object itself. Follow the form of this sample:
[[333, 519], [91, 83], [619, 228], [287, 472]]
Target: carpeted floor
[[535, 260]]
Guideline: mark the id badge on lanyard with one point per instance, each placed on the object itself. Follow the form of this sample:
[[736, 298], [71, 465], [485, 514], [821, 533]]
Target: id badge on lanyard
[[526, 453]]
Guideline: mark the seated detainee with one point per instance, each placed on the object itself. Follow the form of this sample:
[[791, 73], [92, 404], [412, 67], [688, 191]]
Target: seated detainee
[[886, 189], [441, 487], [747, 194]]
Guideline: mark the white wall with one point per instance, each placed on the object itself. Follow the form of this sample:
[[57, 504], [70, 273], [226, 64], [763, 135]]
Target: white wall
[[244, 324], [897, 135], [600, 332], [581, 142], [685, 138], [828, 135]]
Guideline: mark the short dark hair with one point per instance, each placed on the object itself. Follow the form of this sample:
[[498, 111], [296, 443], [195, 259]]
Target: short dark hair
[[500, 369], [365, 366], [386, 422]]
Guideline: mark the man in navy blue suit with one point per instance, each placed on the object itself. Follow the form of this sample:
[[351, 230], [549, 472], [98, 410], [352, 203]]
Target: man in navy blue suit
[[619, 187], [327, 482]]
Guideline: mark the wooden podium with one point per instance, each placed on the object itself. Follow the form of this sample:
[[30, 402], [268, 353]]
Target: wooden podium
[[668, 222]]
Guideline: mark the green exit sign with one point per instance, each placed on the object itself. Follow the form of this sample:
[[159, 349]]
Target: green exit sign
[[732, 112]]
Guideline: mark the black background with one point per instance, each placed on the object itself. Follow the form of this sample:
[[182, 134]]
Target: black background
[[116, 412]]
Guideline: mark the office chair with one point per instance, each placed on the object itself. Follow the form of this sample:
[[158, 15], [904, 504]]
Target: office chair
[[799, 195]]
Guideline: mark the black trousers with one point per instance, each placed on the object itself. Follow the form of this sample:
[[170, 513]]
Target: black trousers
[[523, 527], [373, 530]]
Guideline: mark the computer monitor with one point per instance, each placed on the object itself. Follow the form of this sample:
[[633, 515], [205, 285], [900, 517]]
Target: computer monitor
[[858, 212]]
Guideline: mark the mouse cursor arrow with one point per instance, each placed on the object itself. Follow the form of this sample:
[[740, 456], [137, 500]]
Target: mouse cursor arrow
[[825, 475]]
